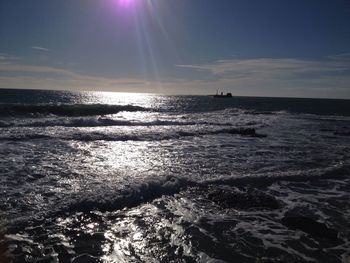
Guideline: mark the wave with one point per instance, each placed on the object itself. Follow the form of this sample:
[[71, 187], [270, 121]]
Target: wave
[[25, 137], [100, 122], [155, 187], [334, 172], [110, 197], [107, 197], [147, 136], [257, 112], [134, 195], [65, 109]]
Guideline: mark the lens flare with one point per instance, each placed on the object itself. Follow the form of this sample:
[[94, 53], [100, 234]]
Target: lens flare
[[126, 2]]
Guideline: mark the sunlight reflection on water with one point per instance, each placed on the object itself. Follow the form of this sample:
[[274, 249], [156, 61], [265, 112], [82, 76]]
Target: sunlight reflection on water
[[119, 98], [132, 184]]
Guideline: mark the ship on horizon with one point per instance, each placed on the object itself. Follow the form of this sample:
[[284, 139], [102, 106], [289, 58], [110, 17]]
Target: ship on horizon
[[222, 95]]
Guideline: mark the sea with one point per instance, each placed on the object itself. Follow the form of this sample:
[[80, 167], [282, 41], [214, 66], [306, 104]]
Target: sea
[[126, 177]]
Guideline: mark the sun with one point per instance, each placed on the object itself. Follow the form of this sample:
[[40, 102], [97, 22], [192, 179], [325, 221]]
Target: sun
[[126, 2]]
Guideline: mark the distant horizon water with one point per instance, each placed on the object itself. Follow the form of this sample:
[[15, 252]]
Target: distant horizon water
[[181, 94]]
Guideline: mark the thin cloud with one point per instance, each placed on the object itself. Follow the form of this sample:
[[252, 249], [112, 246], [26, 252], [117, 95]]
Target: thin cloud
[[33, 69], [269, 67], [342, 56], [33, 76], [40, 48], [7, 58], [276, 77], [254, 77], [60, 73]]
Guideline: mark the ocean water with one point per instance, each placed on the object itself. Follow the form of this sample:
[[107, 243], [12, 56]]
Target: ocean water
[[119, 177]]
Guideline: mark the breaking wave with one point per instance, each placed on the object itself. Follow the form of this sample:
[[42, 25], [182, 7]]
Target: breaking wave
[[111, 197], [170, 185], [333, 172], [146, 136], [65, 109], [100, 122]]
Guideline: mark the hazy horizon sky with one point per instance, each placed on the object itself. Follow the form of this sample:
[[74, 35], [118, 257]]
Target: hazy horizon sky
[[298, 48]]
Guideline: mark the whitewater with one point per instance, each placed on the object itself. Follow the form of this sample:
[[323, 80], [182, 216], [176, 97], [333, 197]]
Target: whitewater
[[122, 177]]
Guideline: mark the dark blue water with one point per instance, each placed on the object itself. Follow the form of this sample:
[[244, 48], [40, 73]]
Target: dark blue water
[[186, 103], [121, 177]]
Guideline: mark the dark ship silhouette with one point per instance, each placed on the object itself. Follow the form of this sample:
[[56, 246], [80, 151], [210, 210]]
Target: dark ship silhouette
[[217, 95]]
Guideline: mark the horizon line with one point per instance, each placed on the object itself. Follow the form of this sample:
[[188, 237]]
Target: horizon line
[[179, 94]]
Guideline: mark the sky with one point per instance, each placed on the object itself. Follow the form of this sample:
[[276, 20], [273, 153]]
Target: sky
[[280, 48]]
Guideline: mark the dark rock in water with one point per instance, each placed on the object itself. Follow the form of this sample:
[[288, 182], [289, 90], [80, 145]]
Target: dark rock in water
[[255, 112], [326, 130], [228, 198], [245, 132], [248, 132], [342, 133], [310, 227], [85, 258]]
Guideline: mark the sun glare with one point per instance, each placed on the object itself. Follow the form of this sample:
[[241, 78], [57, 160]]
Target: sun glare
[[126, 2]]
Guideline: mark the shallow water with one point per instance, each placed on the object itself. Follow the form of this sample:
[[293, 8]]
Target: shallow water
[[110, 177]]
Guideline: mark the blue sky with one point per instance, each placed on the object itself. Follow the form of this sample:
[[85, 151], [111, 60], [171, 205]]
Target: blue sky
[[296, 48]]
